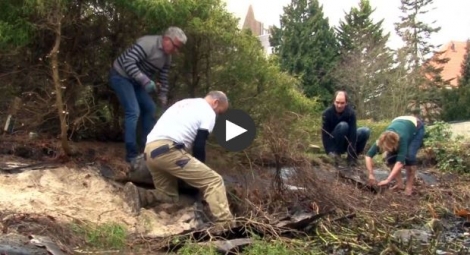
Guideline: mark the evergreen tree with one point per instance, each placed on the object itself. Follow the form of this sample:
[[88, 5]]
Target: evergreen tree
[[455, 102], [365, 58], [358, 30], [307, 47], [464, 80], [424, 63]]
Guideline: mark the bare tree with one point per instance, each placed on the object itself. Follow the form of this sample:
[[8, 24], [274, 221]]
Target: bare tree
[[55, 24]]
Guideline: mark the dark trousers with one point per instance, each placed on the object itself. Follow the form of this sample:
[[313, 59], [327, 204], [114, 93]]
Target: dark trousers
[[341, 144]]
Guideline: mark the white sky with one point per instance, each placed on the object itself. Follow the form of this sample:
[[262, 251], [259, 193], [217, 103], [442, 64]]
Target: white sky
[[451, 15]]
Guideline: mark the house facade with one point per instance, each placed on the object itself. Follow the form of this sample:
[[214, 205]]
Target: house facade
[[454, 52], [248, 21], [258, 29]]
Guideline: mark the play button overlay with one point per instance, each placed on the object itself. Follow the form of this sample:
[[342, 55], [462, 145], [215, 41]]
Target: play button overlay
[[234, 130]]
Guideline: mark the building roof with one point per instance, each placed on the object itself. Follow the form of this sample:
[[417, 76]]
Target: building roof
[[252, 23], [455, 52]]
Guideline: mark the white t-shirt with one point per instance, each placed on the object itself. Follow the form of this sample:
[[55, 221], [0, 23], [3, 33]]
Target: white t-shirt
[[181, 121]]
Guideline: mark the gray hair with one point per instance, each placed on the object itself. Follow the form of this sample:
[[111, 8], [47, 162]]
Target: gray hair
[[176, 32], [218, 95]]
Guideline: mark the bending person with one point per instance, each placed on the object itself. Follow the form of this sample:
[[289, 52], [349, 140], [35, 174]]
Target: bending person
[[131, 78], [401, 141], [184, 127]]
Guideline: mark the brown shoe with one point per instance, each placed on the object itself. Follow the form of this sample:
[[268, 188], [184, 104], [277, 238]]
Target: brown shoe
[[132, 197]]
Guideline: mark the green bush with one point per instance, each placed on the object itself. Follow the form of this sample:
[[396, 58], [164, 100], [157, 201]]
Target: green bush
[[449, 154]]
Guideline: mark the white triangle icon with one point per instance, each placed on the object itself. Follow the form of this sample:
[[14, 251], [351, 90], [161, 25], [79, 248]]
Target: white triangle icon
[[232, 130]]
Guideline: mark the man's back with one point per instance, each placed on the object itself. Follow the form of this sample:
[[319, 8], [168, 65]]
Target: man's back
[[181, 121]]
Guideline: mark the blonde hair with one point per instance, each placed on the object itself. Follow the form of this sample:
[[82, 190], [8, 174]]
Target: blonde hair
[[388, 141]]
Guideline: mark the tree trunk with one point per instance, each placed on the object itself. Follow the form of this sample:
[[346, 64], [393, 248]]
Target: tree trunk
[[56, 78]]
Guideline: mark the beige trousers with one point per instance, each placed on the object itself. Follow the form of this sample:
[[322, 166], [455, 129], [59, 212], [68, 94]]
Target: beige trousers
[[167, 163]]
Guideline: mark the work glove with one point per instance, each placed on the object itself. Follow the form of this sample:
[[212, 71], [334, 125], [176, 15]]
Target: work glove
[[150, 87]]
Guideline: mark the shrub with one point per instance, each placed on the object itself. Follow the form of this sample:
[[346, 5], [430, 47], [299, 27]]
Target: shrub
[[447, 153]]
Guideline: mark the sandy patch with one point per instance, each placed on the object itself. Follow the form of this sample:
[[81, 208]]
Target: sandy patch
[[83, 194]]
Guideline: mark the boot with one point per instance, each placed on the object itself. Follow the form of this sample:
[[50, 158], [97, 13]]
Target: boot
[[153, 197], [137, 197]]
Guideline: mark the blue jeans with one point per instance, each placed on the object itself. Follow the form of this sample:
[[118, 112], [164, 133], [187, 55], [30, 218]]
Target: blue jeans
[[136, 103], [413, 148], [341, 143]]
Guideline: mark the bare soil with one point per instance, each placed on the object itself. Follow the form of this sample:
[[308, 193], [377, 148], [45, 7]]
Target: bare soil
[[64, 193], [76, 192]]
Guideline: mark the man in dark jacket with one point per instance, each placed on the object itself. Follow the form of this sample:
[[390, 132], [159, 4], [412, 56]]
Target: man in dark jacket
[[339, 130]]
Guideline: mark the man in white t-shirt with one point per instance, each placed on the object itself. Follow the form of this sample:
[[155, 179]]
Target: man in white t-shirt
[[183, 128]]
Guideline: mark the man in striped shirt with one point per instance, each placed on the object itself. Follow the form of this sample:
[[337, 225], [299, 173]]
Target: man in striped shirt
[[131, 78]]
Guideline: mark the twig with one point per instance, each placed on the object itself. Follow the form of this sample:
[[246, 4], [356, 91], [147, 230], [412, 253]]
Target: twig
[[349, 216]]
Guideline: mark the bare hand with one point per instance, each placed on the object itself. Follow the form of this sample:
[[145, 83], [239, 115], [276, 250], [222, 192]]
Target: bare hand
[[372, 180], [384, 182]]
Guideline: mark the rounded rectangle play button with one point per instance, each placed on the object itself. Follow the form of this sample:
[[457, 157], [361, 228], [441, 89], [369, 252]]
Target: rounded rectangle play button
[[235, 130]]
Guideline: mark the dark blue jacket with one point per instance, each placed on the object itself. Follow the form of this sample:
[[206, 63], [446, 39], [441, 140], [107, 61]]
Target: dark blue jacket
[[330, 118]]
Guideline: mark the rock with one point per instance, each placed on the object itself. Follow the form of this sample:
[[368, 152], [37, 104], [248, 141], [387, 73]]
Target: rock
[[46, 242], [405, 235], [229, 246], [151, 224], [14, 244], [158, 223], [314, 148], [360, 179], [428, 179]]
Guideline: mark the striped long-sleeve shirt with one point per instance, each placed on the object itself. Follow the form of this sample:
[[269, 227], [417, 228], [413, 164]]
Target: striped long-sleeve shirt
[[143, 59]]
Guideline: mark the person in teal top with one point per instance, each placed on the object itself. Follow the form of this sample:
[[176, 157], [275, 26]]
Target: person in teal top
[[401, 141]]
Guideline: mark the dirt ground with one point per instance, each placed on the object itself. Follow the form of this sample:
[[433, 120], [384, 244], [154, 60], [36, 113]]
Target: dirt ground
[[81, 194], [64, 192], [75, 190]]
